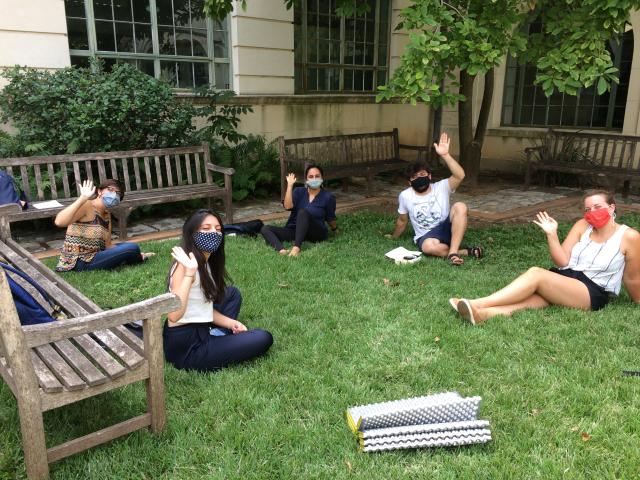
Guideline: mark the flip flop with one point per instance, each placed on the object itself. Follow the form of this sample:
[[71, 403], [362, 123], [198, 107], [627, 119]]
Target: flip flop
[[454, 305], [475, 251], [465, 310]]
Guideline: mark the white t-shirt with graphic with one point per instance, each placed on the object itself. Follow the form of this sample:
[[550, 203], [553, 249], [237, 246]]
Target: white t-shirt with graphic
[[425, 211]]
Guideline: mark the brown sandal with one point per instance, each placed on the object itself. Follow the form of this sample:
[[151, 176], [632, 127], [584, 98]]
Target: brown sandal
[[455, 259]]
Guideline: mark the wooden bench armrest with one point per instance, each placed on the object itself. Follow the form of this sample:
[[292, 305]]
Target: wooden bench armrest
[[217, 168], [9, 208], [36, 335]]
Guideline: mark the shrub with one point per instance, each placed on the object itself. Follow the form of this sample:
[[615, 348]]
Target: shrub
[[78, 110], [255, 161]]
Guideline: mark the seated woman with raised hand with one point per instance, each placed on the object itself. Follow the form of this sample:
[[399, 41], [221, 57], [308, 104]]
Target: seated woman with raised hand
[[204, 334], [592, 262], [87, 244], [311, 206]]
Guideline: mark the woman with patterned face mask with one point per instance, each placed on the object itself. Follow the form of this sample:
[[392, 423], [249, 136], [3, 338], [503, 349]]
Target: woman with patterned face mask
[[87, 244], [204, 334], [311, 207], [597, 256]]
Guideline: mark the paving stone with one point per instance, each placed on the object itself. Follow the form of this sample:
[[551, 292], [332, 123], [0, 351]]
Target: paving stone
[[140, 229], [55, 244], [166, 224], [33, 247]]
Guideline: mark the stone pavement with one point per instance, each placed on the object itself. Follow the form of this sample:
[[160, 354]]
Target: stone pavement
[[494, 200]]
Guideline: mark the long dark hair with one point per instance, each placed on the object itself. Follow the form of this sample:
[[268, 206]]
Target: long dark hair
[[212, 284]]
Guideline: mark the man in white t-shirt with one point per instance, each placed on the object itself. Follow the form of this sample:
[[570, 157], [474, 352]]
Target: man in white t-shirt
[[438, 227]]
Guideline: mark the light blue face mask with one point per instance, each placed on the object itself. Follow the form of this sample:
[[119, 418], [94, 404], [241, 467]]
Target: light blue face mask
[[110, 199], [314, 183]]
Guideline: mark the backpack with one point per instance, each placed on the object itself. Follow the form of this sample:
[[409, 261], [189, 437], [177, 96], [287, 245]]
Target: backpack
[[9, 193], [30, 310], [251, 228]]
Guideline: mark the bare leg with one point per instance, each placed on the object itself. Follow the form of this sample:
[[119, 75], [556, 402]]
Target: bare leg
[[433, 246], [458, 218], [551, 287]]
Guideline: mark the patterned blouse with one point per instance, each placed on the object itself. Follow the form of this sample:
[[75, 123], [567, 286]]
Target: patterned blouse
[[83, 241]]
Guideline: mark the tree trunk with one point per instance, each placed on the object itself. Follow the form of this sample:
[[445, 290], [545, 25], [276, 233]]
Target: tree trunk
[[465, 127], [483, 118]]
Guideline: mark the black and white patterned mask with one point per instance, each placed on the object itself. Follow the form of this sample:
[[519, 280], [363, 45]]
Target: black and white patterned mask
[[207, 241]]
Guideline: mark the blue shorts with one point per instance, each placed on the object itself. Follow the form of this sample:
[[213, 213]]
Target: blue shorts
[[441, 232]]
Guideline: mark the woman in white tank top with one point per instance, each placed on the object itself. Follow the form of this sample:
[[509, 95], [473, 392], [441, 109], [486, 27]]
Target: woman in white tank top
[[204, 333], [597, 256]]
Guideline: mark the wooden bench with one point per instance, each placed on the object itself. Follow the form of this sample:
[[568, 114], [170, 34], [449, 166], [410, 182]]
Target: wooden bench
[[149, 177], [342, 156], [50, 365], [611, 160]]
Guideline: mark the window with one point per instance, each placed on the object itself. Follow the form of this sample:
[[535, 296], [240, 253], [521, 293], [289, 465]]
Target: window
[[168, 39], [525, 103], [337, 54]]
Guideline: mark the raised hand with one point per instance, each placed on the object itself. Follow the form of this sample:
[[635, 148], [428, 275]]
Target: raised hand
[[442, 147], [87, 189], [189, 262], [546, 223], [291, 179]]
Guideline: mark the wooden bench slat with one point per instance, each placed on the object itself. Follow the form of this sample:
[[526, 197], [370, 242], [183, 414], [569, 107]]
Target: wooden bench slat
[[102, 173], [147, 172], [167, 164], [52, 180], [88, 170], [158, 172], [136, 172], [187, 161], [56, 364], [25, 180], [129, 338], [114, 169], [65, 179], [47, 380], [621, 161], [105, 361], [178, 162], [130, 357], [198, 167], [77, 178], [125, 173], [38, 177], [83, 367], [51, 288]]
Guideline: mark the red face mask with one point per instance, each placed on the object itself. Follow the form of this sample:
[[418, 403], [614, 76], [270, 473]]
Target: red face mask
[[598, 218]]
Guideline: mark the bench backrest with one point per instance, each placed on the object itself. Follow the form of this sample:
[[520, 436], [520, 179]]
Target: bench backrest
[[60, 176], [590, 148], [340, 149]]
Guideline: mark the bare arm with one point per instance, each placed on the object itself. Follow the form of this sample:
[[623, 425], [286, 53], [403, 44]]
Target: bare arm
[[401, 224], [181, 281], [288, 196], [560, 253], [78, 209], [457, 172], [631, 276]]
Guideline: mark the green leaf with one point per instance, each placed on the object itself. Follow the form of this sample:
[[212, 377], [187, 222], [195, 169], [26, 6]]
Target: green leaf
[[602, 86]]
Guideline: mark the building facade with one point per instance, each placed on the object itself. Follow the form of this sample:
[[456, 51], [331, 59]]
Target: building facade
[[305, 71]]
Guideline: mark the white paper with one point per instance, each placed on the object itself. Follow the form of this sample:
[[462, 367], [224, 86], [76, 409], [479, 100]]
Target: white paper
[[399, 254], [49, 204]]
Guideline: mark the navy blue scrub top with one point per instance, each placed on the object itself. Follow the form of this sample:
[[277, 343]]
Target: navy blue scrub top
[[323, 207]]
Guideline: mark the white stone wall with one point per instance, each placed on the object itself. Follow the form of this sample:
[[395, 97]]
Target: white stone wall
[[262, 48], [33, 33]]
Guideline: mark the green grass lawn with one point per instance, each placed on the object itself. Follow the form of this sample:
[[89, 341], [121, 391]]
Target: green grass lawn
[[344, 337]]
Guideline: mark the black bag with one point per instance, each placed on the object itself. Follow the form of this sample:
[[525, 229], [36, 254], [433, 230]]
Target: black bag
[[251, 228]]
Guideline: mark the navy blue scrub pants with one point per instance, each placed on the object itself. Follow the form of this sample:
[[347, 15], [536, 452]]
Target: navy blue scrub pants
[[192, 347]]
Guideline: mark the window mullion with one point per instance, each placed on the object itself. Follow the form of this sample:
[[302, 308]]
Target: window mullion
[[155, 41], [342, 48], [376, 42], [212, 71], [617, 60], [91, 27]]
